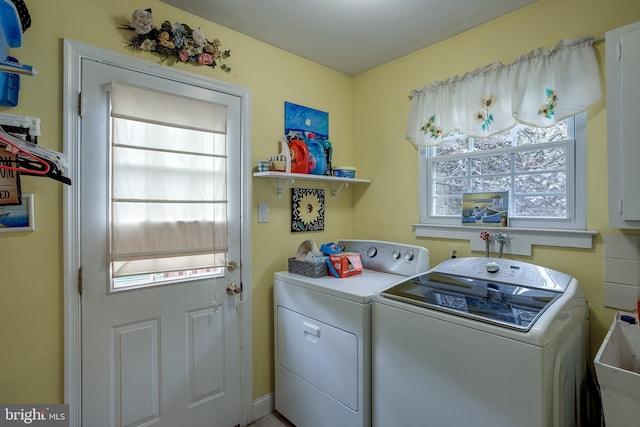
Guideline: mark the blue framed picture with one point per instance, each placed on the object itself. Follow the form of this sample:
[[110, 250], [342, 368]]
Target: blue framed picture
[[18, 217], [486, 209], [300, 121]]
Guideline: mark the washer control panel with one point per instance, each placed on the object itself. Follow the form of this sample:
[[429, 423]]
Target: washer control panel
[[506, 271], [389, 257]]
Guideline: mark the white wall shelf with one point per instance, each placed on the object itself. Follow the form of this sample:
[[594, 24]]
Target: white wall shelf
[[286, 179]]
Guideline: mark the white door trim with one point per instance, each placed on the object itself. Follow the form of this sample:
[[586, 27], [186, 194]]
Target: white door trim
[[74, 52]]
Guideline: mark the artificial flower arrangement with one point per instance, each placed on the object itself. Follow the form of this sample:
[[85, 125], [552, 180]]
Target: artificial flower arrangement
[[177, 40]]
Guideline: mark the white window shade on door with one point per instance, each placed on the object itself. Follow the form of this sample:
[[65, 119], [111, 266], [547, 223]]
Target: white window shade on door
[[168, 184], [150, 106], [540, 89]]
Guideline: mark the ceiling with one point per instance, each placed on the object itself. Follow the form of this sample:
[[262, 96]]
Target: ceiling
[[350, 36]]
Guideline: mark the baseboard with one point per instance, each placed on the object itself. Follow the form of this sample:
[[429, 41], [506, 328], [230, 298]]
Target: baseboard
[[263, 406]]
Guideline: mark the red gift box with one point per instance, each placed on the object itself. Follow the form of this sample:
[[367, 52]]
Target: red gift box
[[346, 264]]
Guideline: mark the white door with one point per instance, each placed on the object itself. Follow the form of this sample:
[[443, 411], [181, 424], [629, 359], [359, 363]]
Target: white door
[[164, 355]]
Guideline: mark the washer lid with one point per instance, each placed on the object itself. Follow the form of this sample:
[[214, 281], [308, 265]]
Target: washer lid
[[482, 295]]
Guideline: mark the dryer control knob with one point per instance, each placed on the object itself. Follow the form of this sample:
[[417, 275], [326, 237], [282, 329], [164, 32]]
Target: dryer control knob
[[492, 267], [408, 256], [372, 251], [396, 254]]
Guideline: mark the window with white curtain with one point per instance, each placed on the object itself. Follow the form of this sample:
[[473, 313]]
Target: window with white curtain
[[519, 128], [168, 187]]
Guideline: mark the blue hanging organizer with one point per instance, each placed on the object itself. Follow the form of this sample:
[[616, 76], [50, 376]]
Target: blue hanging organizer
[[10, 68]]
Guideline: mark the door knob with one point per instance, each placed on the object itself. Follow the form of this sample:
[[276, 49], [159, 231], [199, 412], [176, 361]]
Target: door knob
[[233, 289]]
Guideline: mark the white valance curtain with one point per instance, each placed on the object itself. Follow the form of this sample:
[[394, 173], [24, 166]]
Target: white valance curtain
[[168, 184], [540, 89]]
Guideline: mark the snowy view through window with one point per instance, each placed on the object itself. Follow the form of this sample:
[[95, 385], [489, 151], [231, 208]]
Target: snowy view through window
[[535, 165]]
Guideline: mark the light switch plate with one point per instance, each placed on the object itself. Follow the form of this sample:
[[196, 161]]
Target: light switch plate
[[263, 212]]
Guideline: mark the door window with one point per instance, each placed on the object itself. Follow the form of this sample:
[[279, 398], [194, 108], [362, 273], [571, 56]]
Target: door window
[[168, 185]]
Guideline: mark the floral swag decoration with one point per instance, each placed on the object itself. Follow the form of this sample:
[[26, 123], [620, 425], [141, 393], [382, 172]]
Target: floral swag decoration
[[178, 41]]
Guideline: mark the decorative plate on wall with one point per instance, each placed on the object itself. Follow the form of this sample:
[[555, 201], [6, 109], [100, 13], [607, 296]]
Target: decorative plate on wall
[[307, 209]]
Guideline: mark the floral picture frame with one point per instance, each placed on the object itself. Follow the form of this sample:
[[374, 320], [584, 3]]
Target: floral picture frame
[[307, 209]]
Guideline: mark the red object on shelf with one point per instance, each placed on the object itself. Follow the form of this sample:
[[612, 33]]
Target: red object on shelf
[[299, 156]]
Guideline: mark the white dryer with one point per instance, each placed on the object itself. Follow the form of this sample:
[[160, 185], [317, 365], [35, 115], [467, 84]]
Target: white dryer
[[480, 342], [323, 335]]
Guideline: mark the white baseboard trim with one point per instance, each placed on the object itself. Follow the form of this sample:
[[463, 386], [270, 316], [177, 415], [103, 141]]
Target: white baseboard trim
[[263, 406]]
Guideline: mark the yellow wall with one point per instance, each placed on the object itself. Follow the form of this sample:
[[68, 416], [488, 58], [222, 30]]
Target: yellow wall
[[31, 289], [381, 107], [367, 119]]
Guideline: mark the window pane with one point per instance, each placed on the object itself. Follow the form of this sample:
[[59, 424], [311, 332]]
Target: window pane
[[549, 159], [128, 282], [528, 135], [501, 140], [541, 206], [450, 168], [532, 164], [169, 207], [496, 183], [491, 165], [448, 206], [451, 187], [542, 183], [452, 145]]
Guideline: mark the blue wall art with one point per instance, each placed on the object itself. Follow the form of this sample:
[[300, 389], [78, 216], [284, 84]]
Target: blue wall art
[[300, 120]]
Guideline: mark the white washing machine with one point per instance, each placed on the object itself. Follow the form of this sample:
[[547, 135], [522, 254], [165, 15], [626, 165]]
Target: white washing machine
[[480, 342], [323, 335]]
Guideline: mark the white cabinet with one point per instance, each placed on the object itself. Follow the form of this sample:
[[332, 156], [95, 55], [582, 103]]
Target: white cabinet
[[623, 125]]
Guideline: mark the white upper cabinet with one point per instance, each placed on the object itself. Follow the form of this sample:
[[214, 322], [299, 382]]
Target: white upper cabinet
[[623, 125]]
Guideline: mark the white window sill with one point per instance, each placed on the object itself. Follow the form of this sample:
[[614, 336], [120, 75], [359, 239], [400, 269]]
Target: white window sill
[[519, 242]]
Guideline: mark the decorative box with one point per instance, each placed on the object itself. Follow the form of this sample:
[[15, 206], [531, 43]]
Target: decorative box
[[346, 264]]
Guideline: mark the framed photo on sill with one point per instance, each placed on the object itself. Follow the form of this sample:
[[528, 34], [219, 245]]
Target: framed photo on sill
[[486, 209], [307, 209], [18, 217]]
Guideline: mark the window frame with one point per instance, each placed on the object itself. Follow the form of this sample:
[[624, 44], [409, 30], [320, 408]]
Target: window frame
[[133, 111], [573, 234], [576, 187]]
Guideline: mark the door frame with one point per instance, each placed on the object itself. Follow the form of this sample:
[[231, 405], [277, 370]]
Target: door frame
[[74, 53]]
